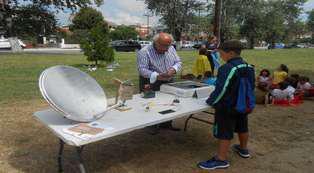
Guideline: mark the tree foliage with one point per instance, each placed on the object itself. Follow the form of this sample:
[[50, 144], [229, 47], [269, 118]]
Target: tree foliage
[[175, 14], [310, 22], [59, 4], [93, 33], [86, 19], [123, 33], [259, 20], [29, 21], [96, 45]]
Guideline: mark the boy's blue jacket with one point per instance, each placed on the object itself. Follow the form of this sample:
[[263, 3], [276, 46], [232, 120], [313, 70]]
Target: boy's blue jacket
[[221, 98]]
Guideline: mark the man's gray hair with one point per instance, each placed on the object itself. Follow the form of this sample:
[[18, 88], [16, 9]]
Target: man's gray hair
[[156, 37]]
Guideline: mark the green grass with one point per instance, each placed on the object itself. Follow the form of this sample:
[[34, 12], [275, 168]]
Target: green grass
[[19, 72]]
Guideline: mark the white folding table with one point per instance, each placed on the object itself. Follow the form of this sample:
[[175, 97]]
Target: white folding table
[[121, 122]]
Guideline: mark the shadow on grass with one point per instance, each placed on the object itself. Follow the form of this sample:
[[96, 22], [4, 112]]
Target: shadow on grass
[[35, 150]]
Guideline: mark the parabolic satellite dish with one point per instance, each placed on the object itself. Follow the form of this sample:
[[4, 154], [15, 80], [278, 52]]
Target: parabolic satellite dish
[[73, 93]]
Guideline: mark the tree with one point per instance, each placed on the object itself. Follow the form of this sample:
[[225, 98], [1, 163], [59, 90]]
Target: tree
[[174, 13], [292, 10], [253, 18], [93, 32], [96, 44], [273, 27], [7, 9], [123, 33], [310, 22], [59, 4], [86, 19], [29, 21]]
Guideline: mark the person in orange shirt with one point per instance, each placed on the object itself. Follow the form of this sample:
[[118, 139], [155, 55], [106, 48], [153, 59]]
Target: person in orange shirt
[[280, 75]]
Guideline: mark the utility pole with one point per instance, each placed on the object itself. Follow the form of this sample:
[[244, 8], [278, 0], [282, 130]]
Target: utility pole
[[217, 23], [148, 16]]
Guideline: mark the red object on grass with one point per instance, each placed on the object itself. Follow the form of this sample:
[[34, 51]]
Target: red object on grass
[[285, 102], [311, 92]]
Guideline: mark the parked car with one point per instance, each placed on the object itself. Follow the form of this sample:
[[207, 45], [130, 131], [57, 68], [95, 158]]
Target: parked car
[[198, 44], [303, 45], [5, 43], [277, 46], [126, 45], [291, 45], [144, 43], [187, 45]]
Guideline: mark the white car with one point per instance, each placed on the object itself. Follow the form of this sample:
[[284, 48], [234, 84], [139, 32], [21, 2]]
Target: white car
[[187, 45], [144, 43], [5, 43]]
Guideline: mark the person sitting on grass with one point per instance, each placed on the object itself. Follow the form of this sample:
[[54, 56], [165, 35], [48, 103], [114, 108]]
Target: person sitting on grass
[[280, 75], [295, 80], [304, 86], [224, 100], [285, 91], [264, 80], [201, 64]]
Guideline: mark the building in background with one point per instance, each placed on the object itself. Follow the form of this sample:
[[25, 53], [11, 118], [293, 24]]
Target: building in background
[[144, 31]]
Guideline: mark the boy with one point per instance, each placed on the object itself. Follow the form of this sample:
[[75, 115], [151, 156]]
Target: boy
[[224, 100]]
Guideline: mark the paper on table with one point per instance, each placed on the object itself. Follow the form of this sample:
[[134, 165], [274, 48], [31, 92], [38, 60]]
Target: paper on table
[[86, 131]]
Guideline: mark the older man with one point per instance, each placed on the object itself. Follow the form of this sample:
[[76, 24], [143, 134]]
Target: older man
[[157, 64]]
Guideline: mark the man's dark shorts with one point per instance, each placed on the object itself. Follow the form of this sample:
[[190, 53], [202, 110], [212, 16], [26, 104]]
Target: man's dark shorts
[[228, 121]]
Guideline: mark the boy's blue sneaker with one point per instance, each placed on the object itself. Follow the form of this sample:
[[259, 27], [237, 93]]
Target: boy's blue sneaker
[[214, 163], [244, 153]]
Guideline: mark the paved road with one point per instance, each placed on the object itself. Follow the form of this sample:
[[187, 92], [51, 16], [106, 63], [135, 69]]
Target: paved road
[[47, 51]]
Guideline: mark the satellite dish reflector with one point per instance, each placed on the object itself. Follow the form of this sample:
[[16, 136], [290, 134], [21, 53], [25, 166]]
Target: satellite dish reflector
[[73, 93]]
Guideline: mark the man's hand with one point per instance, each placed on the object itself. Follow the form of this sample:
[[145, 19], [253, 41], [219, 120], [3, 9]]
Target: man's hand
[[164, 77], [171, 72]]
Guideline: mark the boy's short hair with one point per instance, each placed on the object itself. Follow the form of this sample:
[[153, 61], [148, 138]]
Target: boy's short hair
[[283, 85], [304, 78], [231, 45], [292, 81], [208, 74], [296, 76], [202, 51], [284, 67]]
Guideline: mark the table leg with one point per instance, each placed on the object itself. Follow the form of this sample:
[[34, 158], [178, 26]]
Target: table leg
[[60, 156], [198, 119], [187, 121], [79, 151]]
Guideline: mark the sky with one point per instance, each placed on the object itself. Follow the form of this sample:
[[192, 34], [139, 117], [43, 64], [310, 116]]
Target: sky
[[130, 12], [126, 12]]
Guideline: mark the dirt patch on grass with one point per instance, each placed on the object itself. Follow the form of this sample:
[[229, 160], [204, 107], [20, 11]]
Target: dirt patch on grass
[[282, 140]]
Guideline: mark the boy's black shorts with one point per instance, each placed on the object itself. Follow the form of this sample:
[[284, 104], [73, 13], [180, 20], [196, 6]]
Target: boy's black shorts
[[228, 121]]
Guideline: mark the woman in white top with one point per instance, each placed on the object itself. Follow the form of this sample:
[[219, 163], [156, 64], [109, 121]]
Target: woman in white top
[[264, 80], [304, 83]]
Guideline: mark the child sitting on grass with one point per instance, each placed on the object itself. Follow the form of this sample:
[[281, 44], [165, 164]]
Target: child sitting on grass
[[264, 80], [304, 86], [285, 91], [201, 64]]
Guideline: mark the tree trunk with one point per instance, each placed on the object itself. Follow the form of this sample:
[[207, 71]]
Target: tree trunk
[[252, 43]]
